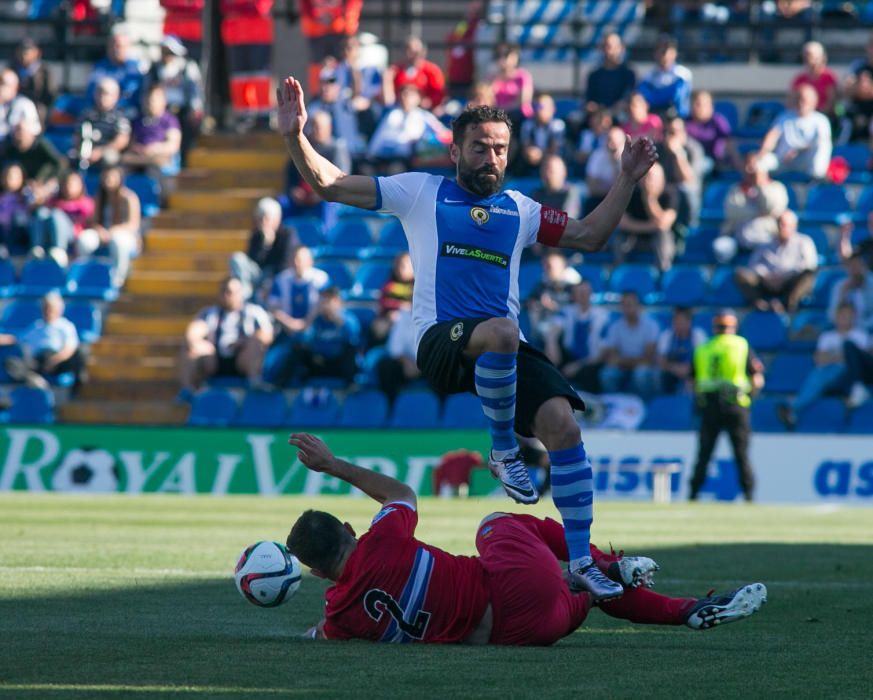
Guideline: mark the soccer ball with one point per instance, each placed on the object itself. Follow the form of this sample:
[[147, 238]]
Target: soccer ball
[[266, 574]]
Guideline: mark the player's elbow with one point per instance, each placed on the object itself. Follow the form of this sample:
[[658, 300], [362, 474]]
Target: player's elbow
[[404, 494]]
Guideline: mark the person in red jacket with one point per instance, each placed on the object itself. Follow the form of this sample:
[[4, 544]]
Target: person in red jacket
[[418, 71]]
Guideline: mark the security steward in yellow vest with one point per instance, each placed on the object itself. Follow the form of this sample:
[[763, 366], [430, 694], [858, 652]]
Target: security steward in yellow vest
[[726, 375]]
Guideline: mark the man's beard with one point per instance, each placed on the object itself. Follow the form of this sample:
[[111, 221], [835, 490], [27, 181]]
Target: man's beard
[[477, 181]]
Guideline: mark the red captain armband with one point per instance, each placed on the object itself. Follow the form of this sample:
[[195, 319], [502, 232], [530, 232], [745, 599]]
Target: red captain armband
[[552, 225]]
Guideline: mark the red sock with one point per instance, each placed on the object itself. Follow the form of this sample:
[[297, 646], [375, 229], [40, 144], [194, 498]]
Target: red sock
[[645, 607]]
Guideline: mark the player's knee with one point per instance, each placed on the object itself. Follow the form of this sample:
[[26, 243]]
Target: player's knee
[[503, 335], [556, 426]]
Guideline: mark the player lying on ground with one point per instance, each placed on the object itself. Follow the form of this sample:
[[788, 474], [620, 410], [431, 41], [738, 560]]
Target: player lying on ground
[[391, 587], [466, 239]]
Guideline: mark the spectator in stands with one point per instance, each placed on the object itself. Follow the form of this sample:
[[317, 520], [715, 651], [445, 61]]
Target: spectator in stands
[[858, 87], [640, 121], [42, 164], [822, 79], [180, 78], [629, 348], [398, 366], [864, 246], [228, 339], [780, 273], [49, 346], [343, 115], [123, 69], [554, 190], [402, 131], [293, 298], [575, 339], [683, 161], [330, 345], [667, 88], [830, 375], [460, 50], [14, 210], [156, 137], [603, 167], [751, 210], [481, 94], [56, 225], [550, 295], [395, 295], [859, 371], [800, 138], [543, 135], [301, 197], [117, 221], [103, 129], [361, 83], [712, 131], [35, 81], [418, 72], [15, 108], [593, 136], [855, 289], [325, 25], [648, 221], [513, 86], [270, 244], [676, 352], [610, 84]]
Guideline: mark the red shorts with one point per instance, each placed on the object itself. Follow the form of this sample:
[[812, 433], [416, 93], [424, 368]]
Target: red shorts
[[530, 601]]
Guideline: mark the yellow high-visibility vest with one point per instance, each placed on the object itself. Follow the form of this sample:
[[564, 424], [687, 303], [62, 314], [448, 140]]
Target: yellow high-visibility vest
[[721, 363]]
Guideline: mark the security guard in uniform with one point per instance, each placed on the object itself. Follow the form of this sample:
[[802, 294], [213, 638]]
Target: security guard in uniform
[[726, 375]]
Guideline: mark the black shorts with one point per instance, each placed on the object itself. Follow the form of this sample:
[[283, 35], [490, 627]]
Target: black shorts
[[227, 367], [443, 363]]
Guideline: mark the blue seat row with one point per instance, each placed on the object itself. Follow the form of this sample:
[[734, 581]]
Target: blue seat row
[[19, 314], [85, 279], [30, 406]]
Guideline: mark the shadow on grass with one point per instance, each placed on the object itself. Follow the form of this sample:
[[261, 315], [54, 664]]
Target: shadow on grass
[[199, 638]]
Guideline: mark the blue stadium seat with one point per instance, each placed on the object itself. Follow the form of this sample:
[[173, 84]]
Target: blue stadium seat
[[416, 409], [367, 376], [683, 286], [723, 290], [765, 330], [213, 408], [729, 111], [337, 272], [703, 321], [826, 254], [91, 279], [864, 204], [764, 416], [364, 409], [530, 274], [806, 326], [40, 276], [350, 232], [825, 279], [264, 409], [787, 372], [759, 117], [309, 230], [369, 280], [7, 278], [669, 412], [19, 315], [857, 155], [365, 316], [148, 190], [313, 410], [595, 275], [66, 109], [61, 139], [642, 279], [826, 204], [698, 246], [392, 236], [861, 419], [565, 106], [32, 405], [525, 185], [87, 319], [7, 351], [713, 200], [823, 416], [463, 411]]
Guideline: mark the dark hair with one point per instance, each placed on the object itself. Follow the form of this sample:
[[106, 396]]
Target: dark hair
[[317, 539], [504, 48], [847, 305], [331, 292], [682, 311], [483, 114]]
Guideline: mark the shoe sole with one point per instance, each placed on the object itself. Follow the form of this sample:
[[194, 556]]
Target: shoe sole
[[746, 602], [640, 576]]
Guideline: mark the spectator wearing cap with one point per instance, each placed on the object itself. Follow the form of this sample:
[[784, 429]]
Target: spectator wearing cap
[[418, 72], [41, 162], [343, 115], [712, 131], [103, 130], [34, 78], [629, 351], [15, 108], [513, 85], [270, 244], [122, 68], [554, 190], [156, 137], [542, 135], [180, 78], [610, 84], [675, 351], [667, 88]]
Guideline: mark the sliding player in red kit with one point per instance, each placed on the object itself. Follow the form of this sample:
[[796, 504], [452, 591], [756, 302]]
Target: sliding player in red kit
[[391, 587]]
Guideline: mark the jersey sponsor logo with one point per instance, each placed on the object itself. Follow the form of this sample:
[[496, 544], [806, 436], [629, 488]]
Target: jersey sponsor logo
[[480, 215], [459, 250], [457, 331], [494, 209]]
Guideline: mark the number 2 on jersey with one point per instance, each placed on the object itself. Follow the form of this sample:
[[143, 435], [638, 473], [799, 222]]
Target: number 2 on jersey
[[377, 603]]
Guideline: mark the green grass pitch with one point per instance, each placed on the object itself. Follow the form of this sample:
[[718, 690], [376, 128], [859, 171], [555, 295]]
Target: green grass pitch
[[133, 597]]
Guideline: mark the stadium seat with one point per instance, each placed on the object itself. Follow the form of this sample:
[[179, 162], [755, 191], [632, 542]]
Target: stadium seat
[[823, 416], [313, 409], [463, 411], [66, 109], [698, 246], [32, 405], [806, 326], [367, 376], [264, 409], [703, 321], [827, 204], [308, 230], [369, 280], [723, 290], [39, 277], [642, 279], [365, 316], [787, 372], [826, 253], [7, 278], [861, 419], [351, 233], [91, 279], [525, 185], [864, 204], [565, 106], [759, 117], [392, 236], [683, 286], [19, 314], [858, 156], [337, 273], [764, 416], [765, 330], [595, 275], [729, 111], [713, 200], [529, 275], [7, 351], [61, 138], [416, 409], [87, 319], [213, 408], [825, 279], [364, 409], [669, 412], [148, 190]]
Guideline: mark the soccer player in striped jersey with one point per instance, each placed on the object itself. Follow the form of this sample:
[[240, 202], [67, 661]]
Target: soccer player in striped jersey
[[466, 238]]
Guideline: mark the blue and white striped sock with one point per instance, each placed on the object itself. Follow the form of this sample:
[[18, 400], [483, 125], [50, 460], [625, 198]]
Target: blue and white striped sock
[[495, 384], [573, 494]]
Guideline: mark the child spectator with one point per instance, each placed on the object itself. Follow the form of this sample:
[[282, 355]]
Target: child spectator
[[58, 224]]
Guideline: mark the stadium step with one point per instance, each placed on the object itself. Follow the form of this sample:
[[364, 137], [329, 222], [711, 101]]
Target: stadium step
[[178, 262], [134, 347], [213, 221], [239, 199], [142, 369], [151, 305], [133, 325], [263, 139], [124, 412], [238, 159], [216, 241], [174, 283], [115, 390], [207, 178]]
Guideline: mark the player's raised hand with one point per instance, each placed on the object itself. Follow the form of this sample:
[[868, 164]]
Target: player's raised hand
[[638, 156], [312, 451], [292, 107]]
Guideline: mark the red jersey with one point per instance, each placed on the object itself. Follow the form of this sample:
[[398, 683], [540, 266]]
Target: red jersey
[[428, 78], [823, 84], [395, 588]]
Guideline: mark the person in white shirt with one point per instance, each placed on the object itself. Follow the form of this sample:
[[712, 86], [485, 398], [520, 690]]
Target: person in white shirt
[[830, 374], [397, 368], [15, 108], [856, 289], [800, 138], [630, 346], [676, 351], [603, 167]]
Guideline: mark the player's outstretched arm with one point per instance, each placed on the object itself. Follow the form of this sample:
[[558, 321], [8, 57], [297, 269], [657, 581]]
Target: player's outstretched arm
[[325, 179], [316, 456], [592, 232]]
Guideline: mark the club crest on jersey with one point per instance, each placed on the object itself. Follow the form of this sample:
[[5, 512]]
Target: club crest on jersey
[[479, 215], [457, 331]]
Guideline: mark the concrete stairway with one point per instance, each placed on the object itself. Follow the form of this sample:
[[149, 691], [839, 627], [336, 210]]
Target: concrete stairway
[[133, 367]]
